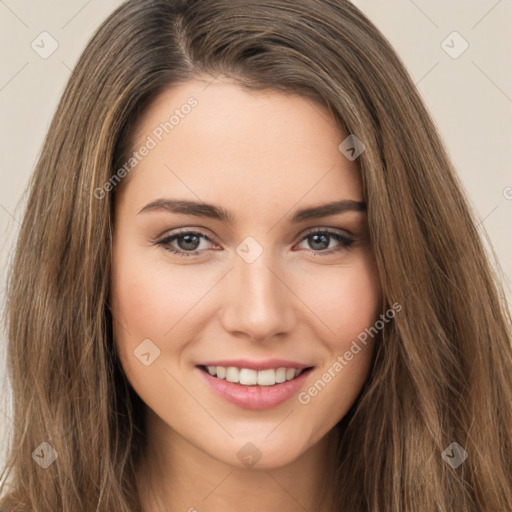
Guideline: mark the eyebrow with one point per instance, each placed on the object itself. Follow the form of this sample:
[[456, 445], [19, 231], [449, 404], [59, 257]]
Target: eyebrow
[[199, 209]]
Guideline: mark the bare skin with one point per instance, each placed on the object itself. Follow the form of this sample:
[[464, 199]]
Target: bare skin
[[262, 156]]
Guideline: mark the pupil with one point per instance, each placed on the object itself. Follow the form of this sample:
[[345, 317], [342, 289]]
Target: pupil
[[323, 244], [189, 239]]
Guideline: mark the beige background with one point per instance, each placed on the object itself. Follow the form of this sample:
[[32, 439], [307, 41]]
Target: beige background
[[469, 97]]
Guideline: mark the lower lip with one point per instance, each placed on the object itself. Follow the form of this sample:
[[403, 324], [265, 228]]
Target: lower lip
[[255, 397]]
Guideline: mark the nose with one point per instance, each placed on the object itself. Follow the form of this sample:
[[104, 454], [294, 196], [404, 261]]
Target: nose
[[258, 304]]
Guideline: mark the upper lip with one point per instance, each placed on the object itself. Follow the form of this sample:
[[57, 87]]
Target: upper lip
[[256, 365]]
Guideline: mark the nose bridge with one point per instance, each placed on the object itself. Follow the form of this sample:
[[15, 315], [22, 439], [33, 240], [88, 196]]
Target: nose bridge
[[257, 302]]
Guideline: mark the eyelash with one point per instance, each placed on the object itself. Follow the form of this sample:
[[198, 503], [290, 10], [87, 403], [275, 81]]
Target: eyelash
[[346, 241]]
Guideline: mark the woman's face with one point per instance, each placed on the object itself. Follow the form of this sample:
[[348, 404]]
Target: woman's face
[[225, 256]]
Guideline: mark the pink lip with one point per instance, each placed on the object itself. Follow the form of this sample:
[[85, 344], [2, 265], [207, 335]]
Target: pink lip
[[255, 397], [257, 365]]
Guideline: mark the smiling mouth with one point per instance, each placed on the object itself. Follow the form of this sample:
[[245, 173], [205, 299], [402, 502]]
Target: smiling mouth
[[249, 377]]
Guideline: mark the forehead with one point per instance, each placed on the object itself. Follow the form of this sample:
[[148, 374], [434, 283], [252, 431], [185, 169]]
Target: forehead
[[221, 143]]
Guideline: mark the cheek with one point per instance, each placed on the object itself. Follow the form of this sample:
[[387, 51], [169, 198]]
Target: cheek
[[357, 304], [349, 303], [152, 300], [150, 297], [346, 299]]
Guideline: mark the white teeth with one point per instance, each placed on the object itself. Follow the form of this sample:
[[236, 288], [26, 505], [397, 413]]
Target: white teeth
[[249, 377], [267, 377], [281, 375], [232, 374], [290, 373]]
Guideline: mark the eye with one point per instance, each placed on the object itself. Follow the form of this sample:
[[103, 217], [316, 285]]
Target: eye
[[321, 239], [187, 243]]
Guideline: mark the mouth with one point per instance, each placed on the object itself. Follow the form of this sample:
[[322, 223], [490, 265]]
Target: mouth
[[249, 377], [254, 389]]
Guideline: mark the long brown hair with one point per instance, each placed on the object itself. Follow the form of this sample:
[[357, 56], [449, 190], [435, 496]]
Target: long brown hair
[[442, 369]]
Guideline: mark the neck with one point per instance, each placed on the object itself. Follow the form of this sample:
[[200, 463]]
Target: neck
[[175, 475]]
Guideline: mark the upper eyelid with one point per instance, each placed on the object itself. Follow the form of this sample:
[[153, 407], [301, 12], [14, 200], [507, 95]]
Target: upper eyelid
[[337, 231], [186, 231]]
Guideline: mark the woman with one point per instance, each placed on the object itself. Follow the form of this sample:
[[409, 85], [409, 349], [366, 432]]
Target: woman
[[247, 276]]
